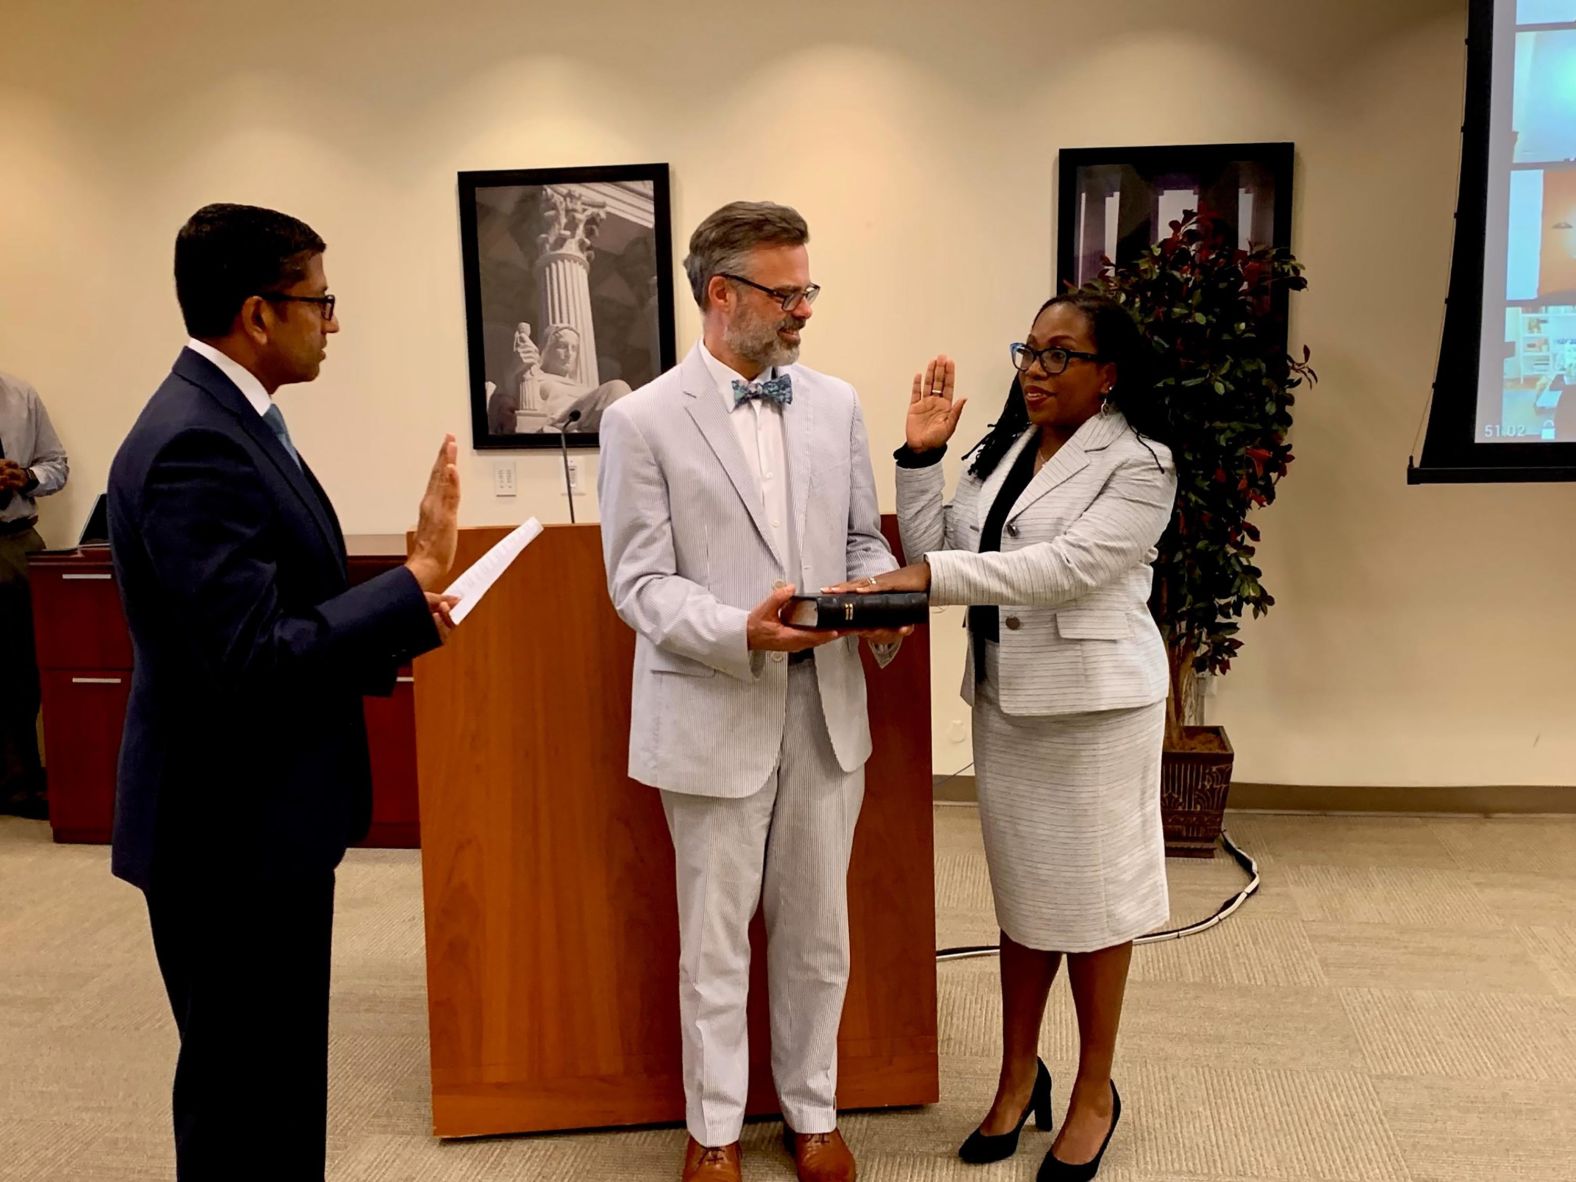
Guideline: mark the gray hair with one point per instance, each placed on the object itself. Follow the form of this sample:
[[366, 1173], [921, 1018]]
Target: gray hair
[[723, 241]]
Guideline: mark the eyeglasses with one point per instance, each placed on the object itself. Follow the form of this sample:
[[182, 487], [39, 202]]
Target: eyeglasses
[[1052, 361], [788, 297], [325, 303]]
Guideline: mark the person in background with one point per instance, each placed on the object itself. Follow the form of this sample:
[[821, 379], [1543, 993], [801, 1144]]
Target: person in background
[[32, 465]]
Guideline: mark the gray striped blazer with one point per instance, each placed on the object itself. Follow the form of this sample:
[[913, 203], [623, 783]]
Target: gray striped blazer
[[688, 554], [1073, 575]]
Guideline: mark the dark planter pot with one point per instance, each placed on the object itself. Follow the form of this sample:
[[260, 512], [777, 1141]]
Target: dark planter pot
[[1193, 789]]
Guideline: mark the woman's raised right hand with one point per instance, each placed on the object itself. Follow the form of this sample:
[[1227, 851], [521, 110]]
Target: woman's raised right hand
[[932, 411]]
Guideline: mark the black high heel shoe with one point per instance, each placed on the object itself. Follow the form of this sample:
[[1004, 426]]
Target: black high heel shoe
[[1053, 1169], [982, 1149]]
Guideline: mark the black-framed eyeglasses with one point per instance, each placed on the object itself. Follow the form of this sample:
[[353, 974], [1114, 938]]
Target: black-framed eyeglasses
[[1052, 361], [325, 303], [788, 297]]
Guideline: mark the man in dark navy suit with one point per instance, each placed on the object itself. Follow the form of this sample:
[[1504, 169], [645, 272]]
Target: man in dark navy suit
[[244, 770]]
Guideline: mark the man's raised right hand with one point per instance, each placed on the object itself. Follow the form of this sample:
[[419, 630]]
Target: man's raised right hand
[[437, 521]]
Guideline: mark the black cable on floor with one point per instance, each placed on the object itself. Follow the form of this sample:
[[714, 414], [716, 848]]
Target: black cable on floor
[[1243, 859]]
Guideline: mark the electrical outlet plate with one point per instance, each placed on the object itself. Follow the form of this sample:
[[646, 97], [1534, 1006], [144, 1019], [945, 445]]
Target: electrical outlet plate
[[503, 478]]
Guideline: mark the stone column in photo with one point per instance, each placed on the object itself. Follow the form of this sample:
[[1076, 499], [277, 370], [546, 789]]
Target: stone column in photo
[[571, 216]]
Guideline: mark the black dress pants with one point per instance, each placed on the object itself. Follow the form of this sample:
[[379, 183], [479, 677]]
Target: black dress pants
[[246, 967], [19, 681]]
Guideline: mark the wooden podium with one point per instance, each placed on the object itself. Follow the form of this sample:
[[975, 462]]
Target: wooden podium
[[552, 933]]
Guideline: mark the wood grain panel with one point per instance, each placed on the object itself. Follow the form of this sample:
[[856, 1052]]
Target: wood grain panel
[[552, 943]]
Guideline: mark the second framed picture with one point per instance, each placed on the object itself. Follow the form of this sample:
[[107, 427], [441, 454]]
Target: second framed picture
[[1115, 202], [568, 297]]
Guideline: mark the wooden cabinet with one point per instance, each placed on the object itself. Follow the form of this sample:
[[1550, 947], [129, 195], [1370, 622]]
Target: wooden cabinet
[[83, 712], [84, 659], [391, 738]]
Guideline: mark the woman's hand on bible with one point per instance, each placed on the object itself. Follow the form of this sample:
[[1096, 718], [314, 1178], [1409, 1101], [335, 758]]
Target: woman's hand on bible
[[914, 577]]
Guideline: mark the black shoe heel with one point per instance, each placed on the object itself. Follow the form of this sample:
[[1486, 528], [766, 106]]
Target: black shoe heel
[[1052, 1169], [981, 1149], [1044, 1118]]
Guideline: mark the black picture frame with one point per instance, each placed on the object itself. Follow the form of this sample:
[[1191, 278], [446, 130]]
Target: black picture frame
[[1152, 185], [1452, 452], [564, 257]]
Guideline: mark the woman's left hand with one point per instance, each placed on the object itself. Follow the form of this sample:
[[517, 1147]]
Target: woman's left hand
[[914, 577]]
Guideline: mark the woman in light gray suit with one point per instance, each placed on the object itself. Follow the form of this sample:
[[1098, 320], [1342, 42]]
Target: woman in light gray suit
[[1049, 538]]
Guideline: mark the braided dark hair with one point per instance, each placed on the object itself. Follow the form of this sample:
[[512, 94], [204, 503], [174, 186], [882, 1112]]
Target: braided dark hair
[[1118, 340]]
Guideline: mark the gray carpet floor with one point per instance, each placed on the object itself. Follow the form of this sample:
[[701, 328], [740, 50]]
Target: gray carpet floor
[[1397, 1004]]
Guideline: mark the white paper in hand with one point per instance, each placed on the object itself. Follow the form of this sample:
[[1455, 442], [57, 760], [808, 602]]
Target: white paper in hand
[[484, 572]]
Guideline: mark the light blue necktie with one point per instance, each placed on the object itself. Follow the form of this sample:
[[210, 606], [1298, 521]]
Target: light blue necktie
[[778, 390], [276, 423]]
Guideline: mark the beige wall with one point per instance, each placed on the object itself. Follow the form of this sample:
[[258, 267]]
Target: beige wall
[[1422, 636]]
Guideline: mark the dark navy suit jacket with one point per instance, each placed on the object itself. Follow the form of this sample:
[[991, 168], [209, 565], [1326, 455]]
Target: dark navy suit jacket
[[245, 748]]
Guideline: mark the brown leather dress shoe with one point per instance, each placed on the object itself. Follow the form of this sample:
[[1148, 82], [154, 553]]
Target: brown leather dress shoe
[[820, 1157], [718, 1164]]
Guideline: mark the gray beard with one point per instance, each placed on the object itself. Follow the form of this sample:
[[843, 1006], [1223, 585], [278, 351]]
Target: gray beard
[[761, 345]]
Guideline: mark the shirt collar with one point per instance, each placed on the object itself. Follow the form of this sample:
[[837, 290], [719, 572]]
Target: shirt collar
[[245, 380]]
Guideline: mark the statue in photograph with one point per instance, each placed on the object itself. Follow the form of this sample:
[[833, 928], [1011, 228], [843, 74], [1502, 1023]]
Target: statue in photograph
[[540, 391]]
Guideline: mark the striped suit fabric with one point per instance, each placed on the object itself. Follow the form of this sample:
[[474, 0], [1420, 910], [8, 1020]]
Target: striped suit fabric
[[760, 761], [1069, 721]]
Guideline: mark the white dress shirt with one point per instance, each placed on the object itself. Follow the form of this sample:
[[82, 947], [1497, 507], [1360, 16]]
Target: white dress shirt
[[245, 380], [758, 423]]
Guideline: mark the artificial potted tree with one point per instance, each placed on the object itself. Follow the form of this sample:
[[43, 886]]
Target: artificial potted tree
[[1215, 314]]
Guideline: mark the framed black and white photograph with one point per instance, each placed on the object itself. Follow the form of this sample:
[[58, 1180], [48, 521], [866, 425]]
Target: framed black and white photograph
[[1115, 202], [568, 297]]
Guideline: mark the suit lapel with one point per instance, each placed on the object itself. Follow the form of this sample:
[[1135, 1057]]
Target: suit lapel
[[328, 511], [704, 405], [211, 379], [1069, 460], [798, 426], [998, 477], [1073, 457]]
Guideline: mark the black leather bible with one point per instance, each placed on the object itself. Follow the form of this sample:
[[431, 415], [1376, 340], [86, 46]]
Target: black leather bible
[[847, 613]]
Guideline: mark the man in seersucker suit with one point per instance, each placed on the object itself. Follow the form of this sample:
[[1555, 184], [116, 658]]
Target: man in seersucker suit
[[725, 484]]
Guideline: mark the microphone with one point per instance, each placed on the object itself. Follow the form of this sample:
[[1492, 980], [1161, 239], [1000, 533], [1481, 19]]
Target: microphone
[[563, 446]]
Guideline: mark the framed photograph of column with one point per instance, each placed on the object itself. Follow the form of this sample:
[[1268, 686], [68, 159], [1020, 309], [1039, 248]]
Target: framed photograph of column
[[1115, 202], [568, 297]]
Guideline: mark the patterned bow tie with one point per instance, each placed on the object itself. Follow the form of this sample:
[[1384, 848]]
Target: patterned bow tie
[[778, 390]]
